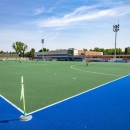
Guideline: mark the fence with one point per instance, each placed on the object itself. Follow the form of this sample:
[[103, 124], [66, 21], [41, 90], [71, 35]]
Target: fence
[[7, 55]]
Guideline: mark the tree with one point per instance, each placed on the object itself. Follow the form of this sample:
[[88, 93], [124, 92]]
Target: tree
[[127, 50], [102, 50], [119, 51], [19, 48], [96, 49], [32, 52], [110, 51], [71, 49], [23, 48], [16, 47], [1, 52], [44, 49], [13, 52], [27, 54]]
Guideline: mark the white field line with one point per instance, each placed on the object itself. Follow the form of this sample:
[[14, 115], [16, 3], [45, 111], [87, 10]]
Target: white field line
[[76, 95], [93, 72], [11, 104]]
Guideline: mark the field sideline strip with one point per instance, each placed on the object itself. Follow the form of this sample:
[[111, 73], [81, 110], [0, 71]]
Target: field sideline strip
[[93, 72], [77, 95], [11, 104]]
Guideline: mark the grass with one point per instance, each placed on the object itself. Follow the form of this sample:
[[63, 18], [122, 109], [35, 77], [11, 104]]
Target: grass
[[49, 82]]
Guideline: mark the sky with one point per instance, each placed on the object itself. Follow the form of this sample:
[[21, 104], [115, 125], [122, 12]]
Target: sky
[[64, 24]]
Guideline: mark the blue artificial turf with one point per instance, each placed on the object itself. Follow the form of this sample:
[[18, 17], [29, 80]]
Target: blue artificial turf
[[104, 108]]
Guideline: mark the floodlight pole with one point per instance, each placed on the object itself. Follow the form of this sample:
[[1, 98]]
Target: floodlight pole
[[42, 50], [115, 29], [115, 45]]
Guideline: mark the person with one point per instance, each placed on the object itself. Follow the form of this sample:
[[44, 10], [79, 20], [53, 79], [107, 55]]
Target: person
[[7, 60], [87, 62], [3, 60], [36, 60], [19, 60]]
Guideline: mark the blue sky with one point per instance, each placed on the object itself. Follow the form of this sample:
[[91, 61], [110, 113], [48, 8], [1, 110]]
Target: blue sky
[[64, 24]]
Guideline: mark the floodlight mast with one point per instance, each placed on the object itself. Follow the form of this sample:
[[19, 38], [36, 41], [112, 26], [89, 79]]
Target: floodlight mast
[[115, 29], [42, 50]]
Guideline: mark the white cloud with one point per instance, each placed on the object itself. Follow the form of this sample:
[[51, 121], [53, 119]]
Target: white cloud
[[83, 13], [39, 10], [55, 35], [80, 10], [54, 6]]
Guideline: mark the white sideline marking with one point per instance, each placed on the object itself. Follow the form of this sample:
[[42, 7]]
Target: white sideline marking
[[94, 72], [11, 104], [76, 95]]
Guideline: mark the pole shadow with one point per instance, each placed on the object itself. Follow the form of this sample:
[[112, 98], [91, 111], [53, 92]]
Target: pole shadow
[[7, 121]]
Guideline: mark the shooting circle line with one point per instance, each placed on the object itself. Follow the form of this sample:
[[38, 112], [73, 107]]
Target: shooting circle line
[[93, 72]]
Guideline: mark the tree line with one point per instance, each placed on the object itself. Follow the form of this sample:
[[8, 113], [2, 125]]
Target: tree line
[[111, 51], [21, 48]]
